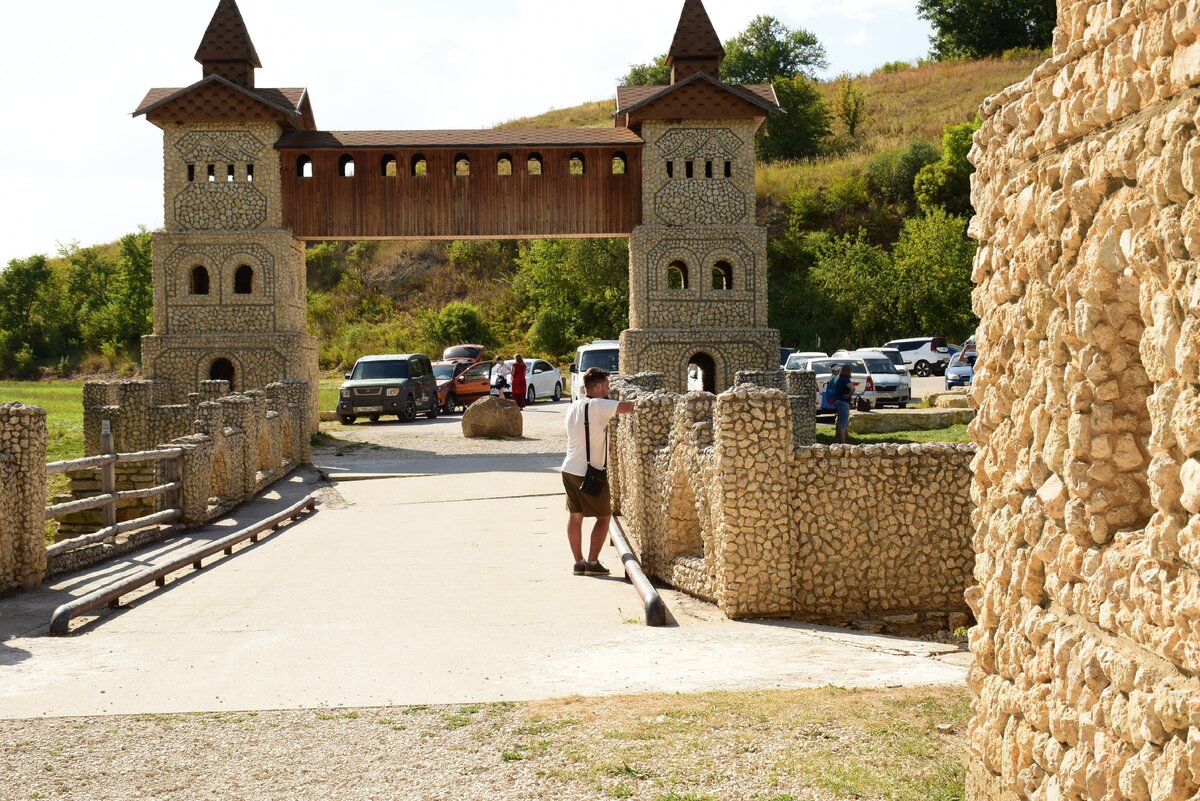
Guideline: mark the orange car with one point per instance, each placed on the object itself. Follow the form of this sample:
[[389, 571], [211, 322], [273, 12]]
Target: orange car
[[470, 353], [461, 382]]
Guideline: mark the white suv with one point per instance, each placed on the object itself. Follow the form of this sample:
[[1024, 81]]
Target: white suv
[[923, 355], [602, 353]]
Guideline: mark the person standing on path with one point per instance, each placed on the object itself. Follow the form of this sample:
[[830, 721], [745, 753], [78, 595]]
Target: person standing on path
[[501, 374], [587, 446], [843, 393], [518, 382]]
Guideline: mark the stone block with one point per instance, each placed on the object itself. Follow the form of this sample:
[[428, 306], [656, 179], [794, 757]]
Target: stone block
[[492, 417]]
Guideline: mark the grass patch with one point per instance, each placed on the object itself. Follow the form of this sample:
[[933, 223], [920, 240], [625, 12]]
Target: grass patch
[[958, 433], [63, 402]]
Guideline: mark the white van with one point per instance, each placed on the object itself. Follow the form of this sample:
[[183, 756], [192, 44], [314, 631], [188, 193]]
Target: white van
[[602, 353]]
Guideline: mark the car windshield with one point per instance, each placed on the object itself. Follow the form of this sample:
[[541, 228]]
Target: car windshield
[[895, 357], [376, 370], [795, 362], [444, 371], [957, 360], [461, 352], [880, 365], [823, 366], [608, 359]]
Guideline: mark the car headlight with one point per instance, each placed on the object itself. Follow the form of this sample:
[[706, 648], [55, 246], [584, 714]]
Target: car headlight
[[393, 392], [345, 393]]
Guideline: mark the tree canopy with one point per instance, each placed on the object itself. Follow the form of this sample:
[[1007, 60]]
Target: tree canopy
[[981, 28], [768, 50]]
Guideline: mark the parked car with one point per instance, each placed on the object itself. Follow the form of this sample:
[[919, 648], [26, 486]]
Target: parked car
[[860, 378], [602, 353], [890, 386], [961, 371], [801, 357], [471, 353], [400, 384], [456, 388], [784, 355], [542, 380], [923, 355], [897, 360]]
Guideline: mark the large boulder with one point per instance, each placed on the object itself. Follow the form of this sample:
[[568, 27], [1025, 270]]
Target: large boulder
[[886, 422], [492, 417]]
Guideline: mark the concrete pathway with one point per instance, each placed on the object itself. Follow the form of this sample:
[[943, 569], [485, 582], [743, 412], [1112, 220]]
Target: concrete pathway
[[431, 580]]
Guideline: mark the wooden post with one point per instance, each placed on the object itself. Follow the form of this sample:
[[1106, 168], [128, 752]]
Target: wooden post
[[108, 473]]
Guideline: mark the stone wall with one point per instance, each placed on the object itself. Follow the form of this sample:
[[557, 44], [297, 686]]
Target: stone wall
[[23, 497], [719, 500], [1087, 482]]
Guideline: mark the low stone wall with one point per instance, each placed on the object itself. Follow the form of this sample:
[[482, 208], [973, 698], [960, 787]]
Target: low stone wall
[[718, 501], [22, 495]]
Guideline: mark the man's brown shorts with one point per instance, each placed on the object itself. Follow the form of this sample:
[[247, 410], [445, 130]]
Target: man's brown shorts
[[581, 503]]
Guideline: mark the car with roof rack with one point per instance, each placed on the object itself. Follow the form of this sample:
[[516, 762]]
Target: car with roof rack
[[402, 384]]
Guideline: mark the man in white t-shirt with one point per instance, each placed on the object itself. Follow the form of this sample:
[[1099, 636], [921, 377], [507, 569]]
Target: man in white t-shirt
[[599, 410]]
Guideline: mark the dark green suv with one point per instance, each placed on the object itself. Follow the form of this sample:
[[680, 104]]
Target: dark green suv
[[399, 384]]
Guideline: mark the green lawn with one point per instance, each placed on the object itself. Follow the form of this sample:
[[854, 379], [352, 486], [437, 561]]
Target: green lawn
[[63, 402], [825, 436]]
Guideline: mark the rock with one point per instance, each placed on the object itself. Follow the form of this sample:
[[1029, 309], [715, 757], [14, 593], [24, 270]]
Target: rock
[[492, 417], [883, 422]]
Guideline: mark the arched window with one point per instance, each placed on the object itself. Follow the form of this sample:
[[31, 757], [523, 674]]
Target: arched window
[[729, 169], [303, 167], [702, 373], [722, 275], [387, 166], [243, 280], [575, 164], [533, 165], [212, 173], [619, 163], [419, 168], [199, 280], [222, 370], [346, 166], [191, 173], [462, 166], [677, 275], [504, 164]]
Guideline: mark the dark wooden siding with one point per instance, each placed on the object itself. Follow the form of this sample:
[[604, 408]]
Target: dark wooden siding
[[441, 205]]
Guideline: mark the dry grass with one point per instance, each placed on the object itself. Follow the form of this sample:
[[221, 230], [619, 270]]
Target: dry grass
[[597, 114]]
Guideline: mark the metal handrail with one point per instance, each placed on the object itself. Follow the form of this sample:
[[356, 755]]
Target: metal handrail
[[656, 610], [60, 621]]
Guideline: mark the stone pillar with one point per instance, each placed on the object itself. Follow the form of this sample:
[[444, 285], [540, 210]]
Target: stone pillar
[[754, 542], [299, 394], [197, 476], [23, 499], [637, 469], [801, 389]]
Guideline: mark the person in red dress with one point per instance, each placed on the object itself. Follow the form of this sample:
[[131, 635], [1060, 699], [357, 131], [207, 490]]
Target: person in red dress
[[517, 380]]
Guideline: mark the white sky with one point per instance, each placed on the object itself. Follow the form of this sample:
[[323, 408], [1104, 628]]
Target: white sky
[[75, 166]]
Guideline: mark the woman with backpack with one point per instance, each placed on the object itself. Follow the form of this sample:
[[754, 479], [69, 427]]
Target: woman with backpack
[[843, 393]]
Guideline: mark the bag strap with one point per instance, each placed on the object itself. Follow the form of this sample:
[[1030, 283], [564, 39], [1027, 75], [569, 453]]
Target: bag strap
[[587, 437]]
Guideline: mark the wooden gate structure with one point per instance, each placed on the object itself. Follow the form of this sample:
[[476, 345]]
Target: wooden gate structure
[[248, 179]]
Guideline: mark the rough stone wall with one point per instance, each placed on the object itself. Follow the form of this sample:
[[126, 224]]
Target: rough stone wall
[[718, 501], [1087, 483], [705, 221], [23, 497], [222, 204]]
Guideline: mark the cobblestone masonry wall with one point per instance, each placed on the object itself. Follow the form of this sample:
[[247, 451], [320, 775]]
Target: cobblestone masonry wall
[[23, 497], [1087, 194], [718, 501]]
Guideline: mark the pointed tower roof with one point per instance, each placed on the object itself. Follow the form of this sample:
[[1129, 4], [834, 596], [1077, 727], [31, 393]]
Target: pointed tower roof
[[227, 38], [695, 38]]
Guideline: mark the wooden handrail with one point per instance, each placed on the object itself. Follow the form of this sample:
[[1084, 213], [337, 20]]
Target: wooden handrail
[[65, 546], [60, 621]]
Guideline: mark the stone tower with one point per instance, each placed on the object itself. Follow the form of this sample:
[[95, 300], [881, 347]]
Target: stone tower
[[229, 279], [698, 261]]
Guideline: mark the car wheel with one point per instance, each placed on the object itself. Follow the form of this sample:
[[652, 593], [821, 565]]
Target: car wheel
[[348, 419], [921, 368], [558, 391], [531, 397], [450, 405], [902, 405], [939, 369], [434, 407], [374, 418], [409, 412]]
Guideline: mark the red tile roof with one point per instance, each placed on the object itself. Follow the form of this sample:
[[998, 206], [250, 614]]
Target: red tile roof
[[227, 38], [505, 137]]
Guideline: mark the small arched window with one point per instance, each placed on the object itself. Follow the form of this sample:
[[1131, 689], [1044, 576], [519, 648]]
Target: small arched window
[[346, 166], [419, 168], [462, 166], [230, 173], [575, 164], [722, 276], [677, 275], [708, 171], [304, 167], [250, 173], [243, 280], [387, 166], [504, 164], [199, 280], [619, 163], [533, 165]]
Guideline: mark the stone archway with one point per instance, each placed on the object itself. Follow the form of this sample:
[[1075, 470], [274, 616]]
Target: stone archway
[[704, 368], [222, 370]]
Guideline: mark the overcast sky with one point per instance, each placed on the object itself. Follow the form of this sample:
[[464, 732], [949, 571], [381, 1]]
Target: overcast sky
[[75, 166]]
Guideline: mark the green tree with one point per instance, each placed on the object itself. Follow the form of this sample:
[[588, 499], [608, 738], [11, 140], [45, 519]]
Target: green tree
[[26, 308], [802, 128], [655, 73], [851, 105], [456, 323], [891, 174], [946, 183], [855, 284], [768, 50], [981, 28], [933, 274]]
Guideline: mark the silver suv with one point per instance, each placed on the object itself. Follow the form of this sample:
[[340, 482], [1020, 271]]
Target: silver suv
[[923, 355]]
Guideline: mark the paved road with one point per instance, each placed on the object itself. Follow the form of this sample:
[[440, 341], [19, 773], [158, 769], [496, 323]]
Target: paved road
[[422, 579]]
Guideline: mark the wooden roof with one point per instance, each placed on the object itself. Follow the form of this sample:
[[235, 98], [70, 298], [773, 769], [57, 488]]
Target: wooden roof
[[227, 38], [695, 37], [217, 99], [505, 137], [697, 97]]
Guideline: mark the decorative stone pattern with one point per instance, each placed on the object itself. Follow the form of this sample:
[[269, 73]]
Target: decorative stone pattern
[[1087, 484], [716, 141], [220, 206], [800, 386], [204, 205], [700, 201], [23, 499], [669, 352], [719, 501]]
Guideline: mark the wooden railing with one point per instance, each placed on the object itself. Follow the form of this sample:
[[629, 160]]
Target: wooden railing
[[109, 496]]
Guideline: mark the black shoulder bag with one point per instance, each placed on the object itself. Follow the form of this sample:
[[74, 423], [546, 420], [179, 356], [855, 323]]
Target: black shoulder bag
[[594, 479]]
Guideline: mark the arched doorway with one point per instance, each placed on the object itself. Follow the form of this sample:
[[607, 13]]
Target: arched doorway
[[222, 370], [702, 373]]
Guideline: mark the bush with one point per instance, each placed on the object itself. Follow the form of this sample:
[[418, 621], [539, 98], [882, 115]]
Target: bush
[[456, 323]]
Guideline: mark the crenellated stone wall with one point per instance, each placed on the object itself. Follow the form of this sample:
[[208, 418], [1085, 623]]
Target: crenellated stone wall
[[720, 501], [1087, 482]]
